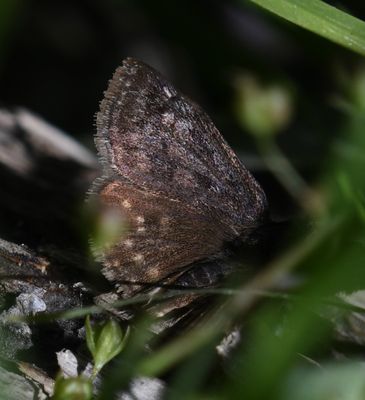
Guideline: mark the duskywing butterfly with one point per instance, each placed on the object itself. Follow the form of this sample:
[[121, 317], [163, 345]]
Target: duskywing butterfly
[[168, 171]]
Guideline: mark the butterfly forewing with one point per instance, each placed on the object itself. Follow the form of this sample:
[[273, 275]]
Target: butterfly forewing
[[169, 171]]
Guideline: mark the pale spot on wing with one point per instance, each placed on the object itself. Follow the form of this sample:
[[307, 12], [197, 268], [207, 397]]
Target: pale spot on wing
[[138, 257], [128, 243], [141, 229], [183, 125], [167, 91], [140, 220], [153, 274], [126, 204], [168, 118]]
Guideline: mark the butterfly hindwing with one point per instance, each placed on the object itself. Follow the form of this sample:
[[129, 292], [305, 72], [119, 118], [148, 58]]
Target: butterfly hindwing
[[163, 235]]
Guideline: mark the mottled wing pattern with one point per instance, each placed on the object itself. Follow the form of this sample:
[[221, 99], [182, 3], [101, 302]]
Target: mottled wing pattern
[[163, 158], [164, 235], [162, 142]]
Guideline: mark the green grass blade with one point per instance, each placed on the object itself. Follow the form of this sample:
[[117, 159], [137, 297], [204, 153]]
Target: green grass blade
[[322, 19]]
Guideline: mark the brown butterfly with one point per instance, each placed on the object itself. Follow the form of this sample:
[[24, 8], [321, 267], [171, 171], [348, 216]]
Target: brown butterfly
[[168, 171]]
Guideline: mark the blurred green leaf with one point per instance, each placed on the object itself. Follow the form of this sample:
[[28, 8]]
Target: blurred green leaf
[[335, 382], [90, 336], [72, 389], [104, 342], [117, 378], [105, 225], [262, 109], [321, 18]]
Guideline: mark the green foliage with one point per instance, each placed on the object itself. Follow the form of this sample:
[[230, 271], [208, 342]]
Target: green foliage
[[335, 382], [105, 227], [262, 110], [105, 341], [322, 19], [78, 388]]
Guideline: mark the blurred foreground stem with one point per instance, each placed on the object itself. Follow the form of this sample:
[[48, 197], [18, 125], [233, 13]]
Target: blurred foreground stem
[[286, 174]]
